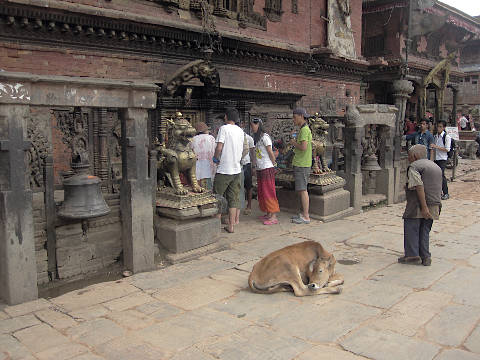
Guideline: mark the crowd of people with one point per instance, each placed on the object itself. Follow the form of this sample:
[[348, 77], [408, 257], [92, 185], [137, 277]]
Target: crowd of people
[[225, 165]]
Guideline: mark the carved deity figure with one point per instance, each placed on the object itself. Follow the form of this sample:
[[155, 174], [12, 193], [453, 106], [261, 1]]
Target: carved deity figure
[[319, 128], [175, 156]]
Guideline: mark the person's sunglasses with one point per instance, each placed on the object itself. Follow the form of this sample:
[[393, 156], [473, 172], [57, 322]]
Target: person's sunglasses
[[256, 120]]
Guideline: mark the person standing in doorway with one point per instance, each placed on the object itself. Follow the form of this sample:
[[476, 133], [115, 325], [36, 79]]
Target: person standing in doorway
[[228, 154], [423, 192], [265, 159], [441, 144], [302, 162]]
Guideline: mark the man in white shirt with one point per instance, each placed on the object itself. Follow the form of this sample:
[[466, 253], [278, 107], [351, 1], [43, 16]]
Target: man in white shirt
[[442, 143], [228, 154]]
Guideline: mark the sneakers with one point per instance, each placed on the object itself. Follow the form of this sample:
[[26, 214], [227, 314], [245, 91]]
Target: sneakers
[[427, 261], [411, 260], [445, 197], [300, 220], [299, 215]]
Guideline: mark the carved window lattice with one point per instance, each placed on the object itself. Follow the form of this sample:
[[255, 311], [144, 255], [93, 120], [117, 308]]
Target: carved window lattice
[[374, 45], [273, 10]]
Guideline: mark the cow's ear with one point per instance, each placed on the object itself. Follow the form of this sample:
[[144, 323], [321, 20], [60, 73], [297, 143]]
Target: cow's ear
[[331, 260], [310, 266]]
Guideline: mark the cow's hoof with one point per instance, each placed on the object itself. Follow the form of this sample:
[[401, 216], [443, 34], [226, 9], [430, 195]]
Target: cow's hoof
[[339, 289], [313, 286]]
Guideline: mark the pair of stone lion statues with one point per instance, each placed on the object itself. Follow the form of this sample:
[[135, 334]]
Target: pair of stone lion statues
[[306, 268]]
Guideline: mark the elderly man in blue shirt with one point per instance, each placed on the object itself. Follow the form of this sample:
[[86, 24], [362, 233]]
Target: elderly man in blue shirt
[[422, 137]]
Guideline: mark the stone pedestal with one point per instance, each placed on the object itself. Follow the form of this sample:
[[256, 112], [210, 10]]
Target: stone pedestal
[[188, 239], [327, 202]]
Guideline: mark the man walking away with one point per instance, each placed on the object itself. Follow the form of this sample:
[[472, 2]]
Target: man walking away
[[423, 192], [302, 162], [441, 144], [228, 154]]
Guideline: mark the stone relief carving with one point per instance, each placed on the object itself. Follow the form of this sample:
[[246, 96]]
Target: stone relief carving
[[37, 153], [340, 35], [14, 91], [200, 69]]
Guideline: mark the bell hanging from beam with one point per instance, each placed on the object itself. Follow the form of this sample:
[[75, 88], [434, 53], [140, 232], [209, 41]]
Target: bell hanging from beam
[[371, 163], [83, 197]]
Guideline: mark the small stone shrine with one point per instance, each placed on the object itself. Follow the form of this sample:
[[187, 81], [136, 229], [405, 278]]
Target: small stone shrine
[[184, 209], [328, 198]]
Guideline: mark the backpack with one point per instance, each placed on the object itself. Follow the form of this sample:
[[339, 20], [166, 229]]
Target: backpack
[[453, 146]]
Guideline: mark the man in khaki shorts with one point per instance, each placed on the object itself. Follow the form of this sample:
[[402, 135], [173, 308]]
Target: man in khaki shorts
[[302, 162], [228, 154]]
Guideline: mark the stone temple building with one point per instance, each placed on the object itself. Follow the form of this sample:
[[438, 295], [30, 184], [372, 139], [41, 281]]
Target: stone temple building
[[88, 85]]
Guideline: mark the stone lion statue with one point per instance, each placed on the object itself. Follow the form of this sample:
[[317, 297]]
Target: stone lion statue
[[175, 156], [319, 128]]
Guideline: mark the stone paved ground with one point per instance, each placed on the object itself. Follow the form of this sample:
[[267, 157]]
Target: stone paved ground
[[202, 310]]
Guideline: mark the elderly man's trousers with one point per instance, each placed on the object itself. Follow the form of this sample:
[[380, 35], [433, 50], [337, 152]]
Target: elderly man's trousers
[[416, 237]]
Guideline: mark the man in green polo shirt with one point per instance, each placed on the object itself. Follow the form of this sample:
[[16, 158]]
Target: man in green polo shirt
[[302, 162]]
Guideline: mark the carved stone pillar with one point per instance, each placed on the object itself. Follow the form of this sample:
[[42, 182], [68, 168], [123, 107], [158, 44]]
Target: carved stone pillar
[[18, 270], [354, 133], [136, 192], [401, 92], [103, 148]]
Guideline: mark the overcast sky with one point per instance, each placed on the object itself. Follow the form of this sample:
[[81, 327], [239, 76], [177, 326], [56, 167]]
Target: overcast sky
[[471, 7]]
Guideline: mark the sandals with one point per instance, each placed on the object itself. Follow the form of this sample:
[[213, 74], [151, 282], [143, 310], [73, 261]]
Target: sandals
[[263, 217], [270, 222], [227, 230]]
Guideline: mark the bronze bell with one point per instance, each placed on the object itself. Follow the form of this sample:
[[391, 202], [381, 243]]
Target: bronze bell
[[371, 163], [82, 194]]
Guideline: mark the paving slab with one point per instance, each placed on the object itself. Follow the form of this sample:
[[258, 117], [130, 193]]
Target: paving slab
[[457, 354], [27, 308], [62, 352], [131, 319], [463, 284], [179, 273], [95, 332], [473, 341], [196, 293], [18, 323], [129, 301], [88, 356], [40, 337], [185, 330], [129, 348], [192, 353], [475, 260], [372, 293], [378, 240], [3, 315], [89, 313], [92, 295], [12, 349], [257, 307], [256, 343], [452, 325], [323, 323], [234, 277], [234, 256], [323, 352], [387, 345], [55, 318], [414, 276], [407, 316]]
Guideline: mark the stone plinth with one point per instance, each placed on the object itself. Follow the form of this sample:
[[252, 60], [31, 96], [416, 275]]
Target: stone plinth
[[467, 135], [180, 236], [327, 202]]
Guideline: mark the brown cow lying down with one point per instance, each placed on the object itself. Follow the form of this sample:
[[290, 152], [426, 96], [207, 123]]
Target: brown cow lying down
[[306, 267]]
